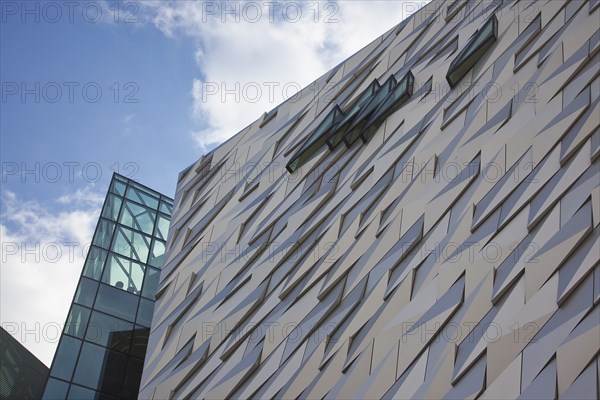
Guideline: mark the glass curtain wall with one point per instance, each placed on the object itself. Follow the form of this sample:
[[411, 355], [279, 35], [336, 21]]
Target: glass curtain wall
[[101, 351]]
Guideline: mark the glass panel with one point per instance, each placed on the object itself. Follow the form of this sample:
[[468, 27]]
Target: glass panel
[[144, 315], [110, 332], [55, 389], [141, 197], [104, 396], [86, 292], [113, 374], [118, 187], [472, 52], [358, 123], [123, 274], [340, 129], [112, 206], [77, 321], [464, 67], [293, 165], [119, 177], [484, 34], [133, 377], [396, 94], [100, 368], [315, 140], [116, 302], [80, 393], [65, 357], [162, 228], [94, 263], [157, 255], [131, 244], [103, 233], [325, 125], [90, 365], [361, 103], [394, 100], [167, 208], [145, 190], [151, 282], [377, 98], [138, 217], [140, 342]]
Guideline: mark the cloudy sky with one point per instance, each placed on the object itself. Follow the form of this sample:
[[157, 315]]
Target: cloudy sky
[[143, 89]]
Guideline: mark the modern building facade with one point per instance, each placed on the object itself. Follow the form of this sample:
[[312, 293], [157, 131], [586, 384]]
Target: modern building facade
[[101, 351], [424, 224], [22, 375]]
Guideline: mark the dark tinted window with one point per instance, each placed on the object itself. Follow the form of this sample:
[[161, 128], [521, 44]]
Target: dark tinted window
[[116, 302], [101, 369], [81, 393], [140, 341], [144, 316], [65, 357], [133, 376], [55, 389], [109, 331]]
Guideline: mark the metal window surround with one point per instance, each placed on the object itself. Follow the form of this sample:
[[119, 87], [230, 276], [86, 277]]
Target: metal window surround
[[479, 44]]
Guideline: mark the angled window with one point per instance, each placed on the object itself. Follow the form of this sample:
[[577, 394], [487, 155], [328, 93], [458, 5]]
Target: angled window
[[316, 140], [338, 131], [479, 44], [394, 100], [359, 122]]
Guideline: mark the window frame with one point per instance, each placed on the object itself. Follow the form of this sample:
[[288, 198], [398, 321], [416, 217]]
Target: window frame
[[388, 105], [313, 143], [353, 132], [466, 60], [352, 112]]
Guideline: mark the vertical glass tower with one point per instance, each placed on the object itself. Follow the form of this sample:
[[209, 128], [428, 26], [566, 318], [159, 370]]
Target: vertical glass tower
[[101, 351]]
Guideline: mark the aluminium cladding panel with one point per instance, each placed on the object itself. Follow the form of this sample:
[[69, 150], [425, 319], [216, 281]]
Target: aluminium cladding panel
[[455, 254]]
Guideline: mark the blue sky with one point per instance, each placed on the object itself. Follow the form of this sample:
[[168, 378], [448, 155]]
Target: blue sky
[[143, 109], [137, 88]]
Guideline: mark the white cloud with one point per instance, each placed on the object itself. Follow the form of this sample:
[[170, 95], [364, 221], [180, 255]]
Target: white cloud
[[83, 196], [247, 59], [42, 258]]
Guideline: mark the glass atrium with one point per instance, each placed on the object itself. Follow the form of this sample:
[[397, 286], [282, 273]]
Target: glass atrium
[[101, 351]]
